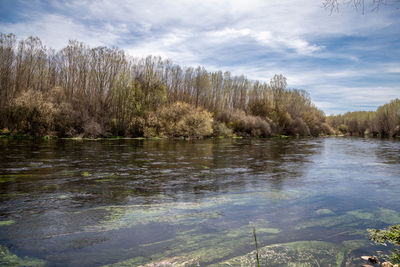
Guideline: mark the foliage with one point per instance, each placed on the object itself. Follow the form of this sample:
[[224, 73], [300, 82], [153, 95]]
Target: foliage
[[179, 120], [245, 125], [127, 102], [91, 92], [31, 113], [9, 259], [385, 121], [220, 129], [390, 235]]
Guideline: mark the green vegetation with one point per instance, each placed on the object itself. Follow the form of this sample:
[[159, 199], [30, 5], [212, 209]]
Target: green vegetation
[[384, 122], [390, 235], [301, 253], [9, 259], [101, 92], [324, 212], [7, 223], [350, 218], [255, 241]]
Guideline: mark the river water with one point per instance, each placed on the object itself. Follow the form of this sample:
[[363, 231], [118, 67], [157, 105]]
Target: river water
[[196, 203]]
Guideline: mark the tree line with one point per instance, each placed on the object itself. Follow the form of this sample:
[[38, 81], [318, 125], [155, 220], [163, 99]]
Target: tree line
[[384, 122], [102, 91]]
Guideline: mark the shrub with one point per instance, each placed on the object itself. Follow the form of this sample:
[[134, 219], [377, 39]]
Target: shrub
[[300, 127], [326, 129], [92, 129], [246, 125], [32, 114], [220, 129], [178, 120], [67, 120]]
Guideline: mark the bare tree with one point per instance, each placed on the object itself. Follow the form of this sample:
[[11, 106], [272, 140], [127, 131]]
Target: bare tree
[[360, 5]]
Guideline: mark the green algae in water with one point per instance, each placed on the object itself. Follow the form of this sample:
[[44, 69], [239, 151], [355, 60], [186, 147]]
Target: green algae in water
[[5, 178], [299, 254], [389, 216], [350, 218], [361, 215], [9, 259], [179, 261], [192, 247], [353, 217], [324, 212], [7, 223], [128, 216], [186, 213], [85, 174]]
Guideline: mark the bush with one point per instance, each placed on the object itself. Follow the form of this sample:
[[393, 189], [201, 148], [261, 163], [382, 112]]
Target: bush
[[300, 127], [67, 121], [92, 129], [220, 129], [178, 120], [246, 125], [326, 129], [31, 113]]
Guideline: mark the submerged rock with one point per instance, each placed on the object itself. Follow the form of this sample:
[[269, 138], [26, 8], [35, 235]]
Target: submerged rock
[[371, 259]]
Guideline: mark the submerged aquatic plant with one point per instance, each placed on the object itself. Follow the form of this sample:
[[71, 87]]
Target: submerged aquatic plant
[[390, 235], [9, 259], [6, 223], [255, 241]]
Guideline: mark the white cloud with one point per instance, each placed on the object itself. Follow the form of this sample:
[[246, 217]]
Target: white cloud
[[56, 30]]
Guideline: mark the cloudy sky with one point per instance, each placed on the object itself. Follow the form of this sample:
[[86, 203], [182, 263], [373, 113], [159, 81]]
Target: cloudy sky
[[346, 60]]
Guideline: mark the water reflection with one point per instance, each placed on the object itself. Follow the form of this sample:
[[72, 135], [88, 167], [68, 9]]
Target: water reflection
[[114, 172]]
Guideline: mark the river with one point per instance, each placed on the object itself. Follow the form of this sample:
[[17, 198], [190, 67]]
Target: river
[[196, 203]]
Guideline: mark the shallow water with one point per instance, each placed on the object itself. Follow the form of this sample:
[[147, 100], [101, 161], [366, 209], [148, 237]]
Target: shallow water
[[190, 203]]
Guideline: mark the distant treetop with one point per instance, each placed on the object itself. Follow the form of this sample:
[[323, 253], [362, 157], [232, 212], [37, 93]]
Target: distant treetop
[[360, 5]]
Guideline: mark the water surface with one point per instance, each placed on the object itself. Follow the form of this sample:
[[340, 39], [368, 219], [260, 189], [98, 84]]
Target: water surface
[[195, 203]]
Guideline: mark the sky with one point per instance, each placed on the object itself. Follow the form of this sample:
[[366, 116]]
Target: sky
[[347, 60]]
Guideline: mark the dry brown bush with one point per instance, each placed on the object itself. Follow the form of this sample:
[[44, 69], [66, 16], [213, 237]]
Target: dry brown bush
[[178, 120], [326, 129], [300, 127], [246, 125], [32, 114], [92, 129], [221, 129]]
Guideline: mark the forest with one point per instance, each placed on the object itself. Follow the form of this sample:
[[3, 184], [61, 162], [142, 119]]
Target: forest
[[80, 91], [384, 122]]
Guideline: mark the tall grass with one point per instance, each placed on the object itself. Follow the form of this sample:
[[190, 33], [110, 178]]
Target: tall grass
[[255, 241]]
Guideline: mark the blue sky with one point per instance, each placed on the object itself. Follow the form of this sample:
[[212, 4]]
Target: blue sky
[[346, 60]]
